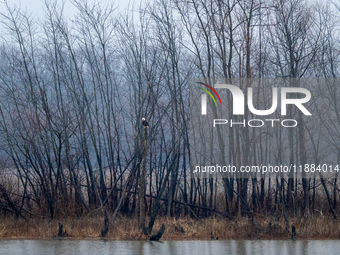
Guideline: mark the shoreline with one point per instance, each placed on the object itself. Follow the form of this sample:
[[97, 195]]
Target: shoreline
[[162, 240], [185, 229]]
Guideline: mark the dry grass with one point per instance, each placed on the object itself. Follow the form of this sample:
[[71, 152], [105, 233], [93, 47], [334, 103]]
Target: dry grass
[[185, 228]]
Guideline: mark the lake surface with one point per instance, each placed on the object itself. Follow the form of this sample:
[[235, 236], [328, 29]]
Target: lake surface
[[100, 247]]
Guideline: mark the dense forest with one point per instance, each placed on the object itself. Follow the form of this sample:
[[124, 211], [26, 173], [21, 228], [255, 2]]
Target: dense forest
[[74, 92]]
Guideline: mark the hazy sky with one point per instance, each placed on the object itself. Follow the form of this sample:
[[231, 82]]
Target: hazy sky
[[37, 6]]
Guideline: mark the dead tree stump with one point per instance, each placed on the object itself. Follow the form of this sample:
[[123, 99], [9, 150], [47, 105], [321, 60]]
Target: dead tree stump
[[159, 234], [293, 232], [105, 228], [60, 230]]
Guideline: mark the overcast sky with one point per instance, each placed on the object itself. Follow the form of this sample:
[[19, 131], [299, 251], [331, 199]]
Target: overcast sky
[[37, 7]]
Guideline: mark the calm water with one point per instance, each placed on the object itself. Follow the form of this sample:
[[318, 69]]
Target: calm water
[[243, 247]]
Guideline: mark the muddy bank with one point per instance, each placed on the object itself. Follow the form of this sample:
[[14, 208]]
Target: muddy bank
[[180, 229]]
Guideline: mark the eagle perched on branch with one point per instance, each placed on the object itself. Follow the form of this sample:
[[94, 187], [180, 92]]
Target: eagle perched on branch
[[144, 122]]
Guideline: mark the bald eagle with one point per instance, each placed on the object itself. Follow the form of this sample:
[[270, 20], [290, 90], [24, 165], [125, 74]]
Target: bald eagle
[[144, 122]]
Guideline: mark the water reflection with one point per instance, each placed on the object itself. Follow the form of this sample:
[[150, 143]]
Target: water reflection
[[243, 247]]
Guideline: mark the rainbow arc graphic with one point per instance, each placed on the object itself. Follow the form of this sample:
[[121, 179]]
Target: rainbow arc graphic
[[204, 97]]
